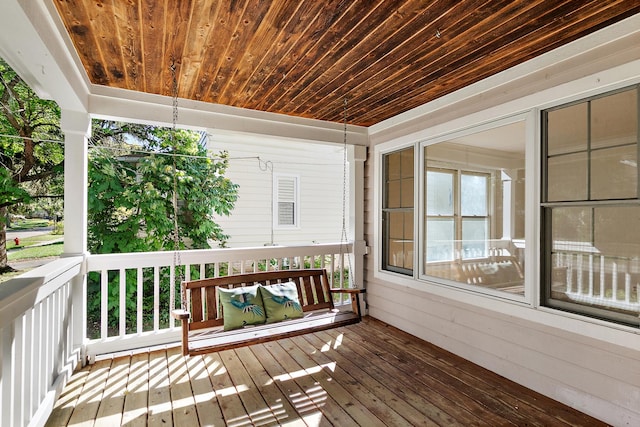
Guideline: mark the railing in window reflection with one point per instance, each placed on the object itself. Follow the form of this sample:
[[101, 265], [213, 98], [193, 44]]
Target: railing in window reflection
[[599, 280], [500, 266]]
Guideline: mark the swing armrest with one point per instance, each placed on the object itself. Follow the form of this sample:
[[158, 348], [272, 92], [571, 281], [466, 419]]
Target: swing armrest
[[183, 315], [354, 295], [180, 314]]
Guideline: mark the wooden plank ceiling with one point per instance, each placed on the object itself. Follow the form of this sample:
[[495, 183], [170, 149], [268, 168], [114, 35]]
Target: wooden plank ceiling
[[305, 57]]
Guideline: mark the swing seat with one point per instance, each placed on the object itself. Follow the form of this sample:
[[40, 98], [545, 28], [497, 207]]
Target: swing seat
[[202, 319]]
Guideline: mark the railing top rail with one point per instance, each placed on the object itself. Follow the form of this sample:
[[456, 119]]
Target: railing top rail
[[206, 256], [19, 294]]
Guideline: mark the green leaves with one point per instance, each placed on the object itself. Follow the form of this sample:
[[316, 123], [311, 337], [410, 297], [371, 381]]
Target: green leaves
[[130, 195]]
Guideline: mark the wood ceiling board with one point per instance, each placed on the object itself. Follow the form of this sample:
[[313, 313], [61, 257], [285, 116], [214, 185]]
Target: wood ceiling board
[[304, 57]]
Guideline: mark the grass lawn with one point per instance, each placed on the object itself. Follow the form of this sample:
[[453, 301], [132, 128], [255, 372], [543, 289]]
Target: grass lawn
[[53, 249], [42, 246], [30, 241], [25, 224]]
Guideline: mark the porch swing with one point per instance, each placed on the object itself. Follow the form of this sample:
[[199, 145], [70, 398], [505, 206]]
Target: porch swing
[[228, 312]]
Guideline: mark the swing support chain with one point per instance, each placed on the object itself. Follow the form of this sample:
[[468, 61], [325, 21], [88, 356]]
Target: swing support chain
[[177, 262]]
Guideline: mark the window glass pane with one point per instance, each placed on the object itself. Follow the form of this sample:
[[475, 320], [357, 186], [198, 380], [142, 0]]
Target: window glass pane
[[439, 197], [617, 232], [406, 196], [474, 238], [406, 161], [440, 236], [400, 253], [392, 166], [567, 129], [397, 244], [393, 194], [567, 177], [614, 120], [408, 226], [601, 269], [473, 193], [614, 173], [571, 228]]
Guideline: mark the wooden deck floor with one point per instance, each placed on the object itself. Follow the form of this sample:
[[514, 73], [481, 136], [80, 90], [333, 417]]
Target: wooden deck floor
[[368, 374]]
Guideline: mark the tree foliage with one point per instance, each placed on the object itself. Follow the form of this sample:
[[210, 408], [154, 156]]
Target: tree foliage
[[131, 187], [30, 156], [132, 173]]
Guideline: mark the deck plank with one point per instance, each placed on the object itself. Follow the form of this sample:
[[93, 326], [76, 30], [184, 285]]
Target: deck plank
[[65, 405], [350, 363], [278, 403], [368, 393], [259, 412], [112, 403], [160, 410], [313, 392], [207, 407], [322, 375], [437, 406], [137, 392], [228, 395], [182, 400], [369, 374], [305, 406], [91, 395]]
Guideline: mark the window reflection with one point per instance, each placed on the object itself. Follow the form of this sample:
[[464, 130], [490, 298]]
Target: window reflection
[[474, 209]]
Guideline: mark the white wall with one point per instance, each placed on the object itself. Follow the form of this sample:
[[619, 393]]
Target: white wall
[[591, 365], [320, 171]]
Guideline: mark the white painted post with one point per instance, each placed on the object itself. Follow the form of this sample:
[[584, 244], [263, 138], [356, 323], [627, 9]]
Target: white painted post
[[357, 155], [76, 126]]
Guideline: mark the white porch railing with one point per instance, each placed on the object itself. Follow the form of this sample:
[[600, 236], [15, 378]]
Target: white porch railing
[[42, 312], [39, 339], [605, 281], [134, 297]]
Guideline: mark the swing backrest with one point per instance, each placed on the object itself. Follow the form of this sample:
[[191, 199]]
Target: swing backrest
[[202, 295]]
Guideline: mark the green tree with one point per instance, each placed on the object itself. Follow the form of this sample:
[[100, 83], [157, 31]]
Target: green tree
[[133, 170], [131, 189], [29, 160]]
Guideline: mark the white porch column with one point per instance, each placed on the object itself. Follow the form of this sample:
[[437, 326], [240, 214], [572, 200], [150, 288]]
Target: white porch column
[[357, 156], [77, 130]]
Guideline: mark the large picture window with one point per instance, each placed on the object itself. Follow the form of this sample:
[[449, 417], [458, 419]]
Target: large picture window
[[473, 225], [397, 211], [590, 207]]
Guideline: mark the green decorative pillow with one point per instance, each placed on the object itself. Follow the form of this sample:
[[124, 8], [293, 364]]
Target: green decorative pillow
[[281, 302], [241, 306]]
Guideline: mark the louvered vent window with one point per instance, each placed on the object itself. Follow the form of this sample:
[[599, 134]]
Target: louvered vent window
[[287, 200]]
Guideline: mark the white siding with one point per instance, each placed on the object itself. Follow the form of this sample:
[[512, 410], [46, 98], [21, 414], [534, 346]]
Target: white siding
[[319, 169], [591, 365]]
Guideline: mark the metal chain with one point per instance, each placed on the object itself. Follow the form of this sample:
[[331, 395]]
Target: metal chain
[[177, 262], [344, 238]]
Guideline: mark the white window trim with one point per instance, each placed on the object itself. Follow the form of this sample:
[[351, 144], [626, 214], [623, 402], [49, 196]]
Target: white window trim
[[296, 222], [443, 287]]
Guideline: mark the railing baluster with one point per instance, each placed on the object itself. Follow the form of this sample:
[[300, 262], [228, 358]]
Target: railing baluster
[[602, 277], [614, 281], [104, 301], [122, 293], [156, 298], [139, 299], [590, 292], [627, 283]]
